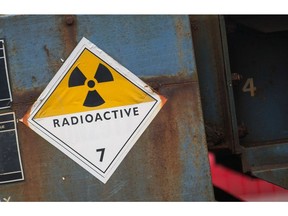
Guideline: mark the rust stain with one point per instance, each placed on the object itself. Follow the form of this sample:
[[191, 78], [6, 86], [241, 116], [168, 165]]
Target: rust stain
[[22, 96], [31, 189], [179, 144], [33, 162], [181, 32], [163, 100], [68, 33], [46, 50], [68, 30], [24, 119], [163, 153], [53, 61]]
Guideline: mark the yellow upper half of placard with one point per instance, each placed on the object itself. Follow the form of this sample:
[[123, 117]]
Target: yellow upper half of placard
[[117, 92]]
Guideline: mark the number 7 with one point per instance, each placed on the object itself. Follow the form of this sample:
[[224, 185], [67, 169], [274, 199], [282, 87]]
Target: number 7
[[102, 150]]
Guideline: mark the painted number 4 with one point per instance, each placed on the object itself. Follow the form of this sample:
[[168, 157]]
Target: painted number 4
[[249, 87]]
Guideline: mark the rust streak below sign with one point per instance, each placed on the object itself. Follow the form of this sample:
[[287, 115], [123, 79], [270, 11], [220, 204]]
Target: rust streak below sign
[[94, 110]]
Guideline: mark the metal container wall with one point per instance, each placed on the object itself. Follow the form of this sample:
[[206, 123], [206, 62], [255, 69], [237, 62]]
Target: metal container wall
[[168, 163], [218, 113]]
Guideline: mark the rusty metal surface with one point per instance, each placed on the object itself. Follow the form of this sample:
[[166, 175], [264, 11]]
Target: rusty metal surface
[[168, 163], [211, 69]]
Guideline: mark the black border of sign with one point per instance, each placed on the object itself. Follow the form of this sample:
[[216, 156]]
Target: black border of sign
[[56, 139], [17, 175], [10, 99]]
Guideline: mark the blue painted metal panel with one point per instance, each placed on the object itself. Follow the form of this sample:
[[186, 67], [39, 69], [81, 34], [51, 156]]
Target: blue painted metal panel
[[207, 43], [168, 162], [165, 39], [36, 44], [29, 65], [211, 67]]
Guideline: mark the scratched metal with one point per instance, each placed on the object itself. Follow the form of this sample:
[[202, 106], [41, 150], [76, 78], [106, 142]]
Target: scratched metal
[[168, 163]]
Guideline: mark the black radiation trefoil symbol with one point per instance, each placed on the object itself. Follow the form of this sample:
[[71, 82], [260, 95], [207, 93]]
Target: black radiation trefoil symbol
[[93, 98]]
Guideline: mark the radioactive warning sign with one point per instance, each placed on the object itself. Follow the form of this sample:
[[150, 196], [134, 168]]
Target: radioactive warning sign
[[94, 110]]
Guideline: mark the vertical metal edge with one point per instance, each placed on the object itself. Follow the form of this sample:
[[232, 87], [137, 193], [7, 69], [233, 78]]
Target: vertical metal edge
[[235, 147], [199, 106]]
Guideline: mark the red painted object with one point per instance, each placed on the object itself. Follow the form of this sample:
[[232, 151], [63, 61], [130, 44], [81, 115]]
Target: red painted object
[[244, 187]]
